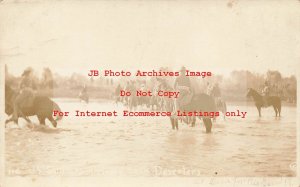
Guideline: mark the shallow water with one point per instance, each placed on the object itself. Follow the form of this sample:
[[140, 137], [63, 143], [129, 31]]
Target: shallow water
[[147, 146]]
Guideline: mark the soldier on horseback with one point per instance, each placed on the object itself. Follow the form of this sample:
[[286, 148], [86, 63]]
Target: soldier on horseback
[[26, 95]]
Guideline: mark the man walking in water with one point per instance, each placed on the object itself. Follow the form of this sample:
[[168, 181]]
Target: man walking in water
[[26, 95]]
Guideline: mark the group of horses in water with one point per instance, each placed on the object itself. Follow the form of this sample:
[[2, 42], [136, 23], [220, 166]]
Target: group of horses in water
[[44, 106], [199, 102]]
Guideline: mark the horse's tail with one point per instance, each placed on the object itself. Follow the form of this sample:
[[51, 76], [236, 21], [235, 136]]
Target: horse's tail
[[56, 107]]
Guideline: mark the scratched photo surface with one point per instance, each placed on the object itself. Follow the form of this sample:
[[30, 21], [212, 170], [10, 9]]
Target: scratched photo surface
[[150, 89]]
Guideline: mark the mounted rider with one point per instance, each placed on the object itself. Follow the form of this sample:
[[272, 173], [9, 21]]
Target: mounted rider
[[26, 94], [183, 84]]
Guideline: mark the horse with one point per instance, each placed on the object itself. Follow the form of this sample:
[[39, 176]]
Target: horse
[[274, 101], [201, 102], [132, 102], [42, 107]]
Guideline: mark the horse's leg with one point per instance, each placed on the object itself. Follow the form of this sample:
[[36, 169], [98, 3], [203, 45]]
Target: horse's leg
[[11, 119], [42, 120], [188, 120], [8, 120], [193, 121], [20, 114], [275, 109], [27, 119], [176, 123], [225, 110], [279, 111], [208, 124], [259, 110], [54, 123], [279, 108], [172, 122]]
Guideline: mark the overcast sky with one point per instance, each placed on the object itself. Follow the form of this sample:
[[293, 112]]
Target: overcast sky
[[76, 36]]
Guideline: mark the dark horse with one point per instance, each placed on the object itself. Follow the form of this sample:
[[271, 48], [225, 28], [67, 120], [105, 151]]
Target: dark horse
[[42, 107], [259, 102], [200, 102]]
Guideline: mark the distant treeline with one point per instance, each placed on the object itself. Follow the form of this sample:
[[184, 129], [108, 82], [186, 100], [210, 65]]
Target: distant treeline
[[239, 81]]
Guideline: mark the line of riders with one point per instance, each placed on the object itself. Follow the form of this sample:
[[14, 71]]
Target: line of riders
[[182, 84], [27, 92]]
